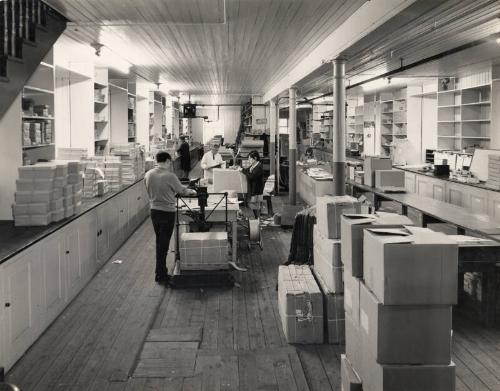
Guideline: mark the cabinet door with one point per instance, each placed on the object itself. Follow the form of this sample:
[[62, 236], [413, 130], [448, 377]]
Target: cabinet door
[[438, 190], [123, 216], [112, 216], [478, 201], [424, 186], [102, 234], [73, 261], [87, 226], [455, 194], [410, 184], [54, 273], [494, 205], [133, 207], [22, 293]]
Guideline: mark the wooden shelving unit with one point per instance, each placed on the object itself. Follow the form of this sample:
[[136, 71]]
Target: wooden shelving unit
[[393, 119], [463, 115], [37, 113], [101, 111]]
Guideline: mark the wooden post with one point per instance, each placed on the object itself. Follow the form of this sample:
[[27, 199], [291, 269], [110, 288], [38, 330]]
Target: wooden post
[[338, 161], [292, 145]]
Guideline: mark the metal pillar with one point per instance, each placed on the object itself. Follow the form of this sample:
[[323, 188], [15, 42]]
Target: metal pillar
[[272, 136], [338, 162], [292, 145]]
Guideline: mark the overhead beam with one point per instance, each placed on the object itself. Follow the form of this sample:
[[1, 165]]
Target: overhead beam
[[366, 19]]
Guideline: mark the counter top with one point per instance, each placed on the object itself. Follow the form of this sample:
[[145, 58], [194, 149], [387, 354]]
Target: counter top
[[481, 185], [13, 239], [443, 211]]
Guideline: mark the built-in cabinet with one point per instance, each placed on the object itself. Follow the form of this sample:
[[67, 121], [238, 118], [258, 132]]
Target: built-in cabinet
[[37, 284], [475, 199]]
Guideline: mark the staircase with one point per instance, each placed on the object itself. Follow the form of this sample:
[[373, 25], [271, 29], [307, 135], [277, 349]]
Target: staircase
[[28, 30]]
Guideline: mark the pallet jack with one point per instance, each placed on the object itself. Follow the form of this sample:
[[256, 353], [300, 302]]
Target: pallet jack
[[199, 278]]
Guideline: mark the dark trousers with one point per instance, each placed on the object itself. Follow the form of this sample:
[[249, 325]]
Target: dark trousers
[[163, 224]]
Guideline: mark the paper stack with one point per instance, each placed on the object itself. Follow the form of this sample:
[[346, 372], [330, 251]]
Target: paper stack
[[204, 251]]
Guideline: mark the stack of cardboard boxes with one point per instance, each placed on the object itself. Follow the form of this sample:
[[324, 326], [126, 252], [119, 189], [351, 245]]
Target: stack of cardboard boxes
[[113, 173], [204, 250], [300, 305], [398, 297], [328, 267], [44, 194]]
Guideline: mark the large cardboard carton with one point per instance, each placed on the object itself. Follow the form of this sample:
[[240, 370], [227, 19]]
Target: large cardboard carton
[[333, 313], [333, 276], [204, 250], [389, 179], [372, 164], [329, 248], [300, 305], [353, 345], [350, 380], [405, 334], [351, 297], [410, 266], [329, 209], [383, 377], [351, 229]]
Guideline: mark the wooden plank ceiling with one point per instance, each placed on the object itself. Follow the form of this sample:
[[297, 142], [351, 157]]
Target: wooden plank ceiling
[[425, 29], [208, 47]]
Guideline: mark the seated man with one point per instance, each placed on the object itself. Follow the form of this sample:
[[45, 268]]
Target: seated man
[[212, 159]]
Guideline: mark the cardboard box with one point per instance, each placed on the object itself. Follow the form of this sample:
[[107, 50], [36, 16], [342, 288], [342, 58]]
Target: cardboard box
[[353, 344], [67, 191], [204, 250], [351, 297], [405, 334], [350, 380], [372, 164], [36, 196], [383, 377], [351, 231], [332, 276], [333, 313], [34, 184], [418, 267], [37, 171], [329, 209], [300, 305], [57, 215], [329, 248], [389, 178]]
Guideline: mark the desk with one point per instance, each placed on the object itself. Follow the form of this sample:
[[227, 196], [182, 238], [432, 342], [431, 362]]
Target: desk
[[310, 188], [218, 215]]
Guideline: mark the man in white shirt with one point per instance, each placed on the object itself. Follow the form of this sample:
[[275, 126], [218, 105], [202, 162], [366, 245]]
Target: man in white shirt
[[212, 159]]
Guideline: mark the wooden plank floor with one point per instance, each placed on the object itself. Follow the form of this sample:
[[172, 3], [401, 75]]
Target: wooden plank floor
[[124, 332]]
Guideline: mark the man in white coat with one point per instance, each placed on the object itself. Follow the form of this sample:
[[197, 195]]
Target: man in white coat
[[212, 159]]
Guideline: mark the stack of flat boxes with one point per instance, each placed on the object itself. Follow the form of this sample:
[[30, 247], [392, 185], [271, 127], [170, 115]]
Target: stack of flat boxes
[[398, 315], [300, 305], [204, 250], [494, 171], [44, 193], [113, 173], [71, 153], [328, 267], [132, 158]]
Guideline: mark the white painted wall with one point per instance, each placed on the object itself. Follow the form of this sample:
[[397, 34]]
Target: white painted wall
[[10, 156], [227, 124]]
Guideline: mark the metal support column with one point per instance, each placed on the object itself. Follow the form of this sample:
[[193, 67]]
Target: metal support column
[[272, 136], [338, 162], [292, 148]]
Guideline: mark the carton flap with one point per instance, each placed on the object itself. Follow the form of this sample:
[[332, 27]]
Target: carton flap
[[360, 216], [389, 231]]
